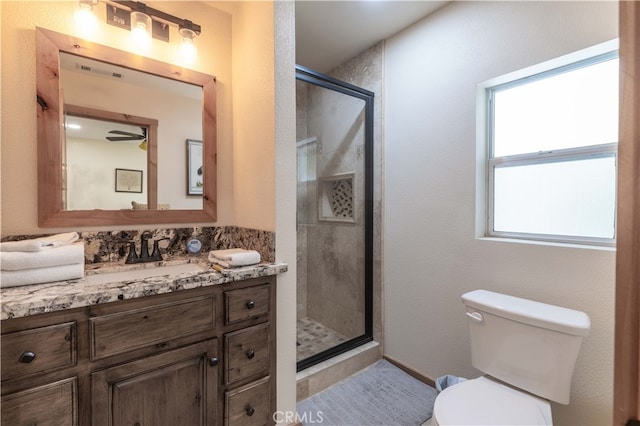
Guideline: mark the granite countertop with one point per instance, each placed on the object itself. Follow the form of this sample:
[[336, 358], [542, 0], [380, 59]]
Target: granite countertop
[[17, 302]]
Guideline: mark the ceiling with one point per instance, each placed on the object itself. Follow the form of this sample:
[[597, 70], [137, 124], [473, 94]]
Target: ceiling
[[328, 33]]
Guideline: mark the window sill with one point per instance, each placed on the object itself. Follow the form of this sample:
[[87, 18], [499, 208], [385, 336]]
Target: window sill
[[549, 243]]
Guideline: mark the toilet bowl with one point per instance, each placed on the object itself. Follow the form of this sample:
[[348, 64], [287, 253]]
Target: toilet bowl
[[528, 352], [486, 401]]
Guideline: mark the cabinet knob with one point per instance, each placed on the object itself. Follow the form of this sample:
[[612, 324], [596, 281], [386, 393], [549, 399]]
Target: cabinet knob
[[250, 354], [27, 357], [251, 304], [213, 361], [250, 411]]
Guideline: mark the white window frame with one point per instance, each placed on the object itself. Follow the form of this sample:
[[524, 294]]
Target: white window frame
[[486, 162]]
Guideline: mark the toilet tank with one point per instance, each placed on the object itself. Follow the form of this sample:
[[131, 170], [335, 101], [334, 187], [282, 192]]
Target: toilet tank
[[530, 345]]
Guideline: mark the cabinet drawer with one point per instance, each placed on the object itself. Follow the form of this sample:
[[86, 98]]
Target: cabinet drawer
[[246, 303], [35, 350], [138, 328], [55, 404], [249, 405], [247, 352]]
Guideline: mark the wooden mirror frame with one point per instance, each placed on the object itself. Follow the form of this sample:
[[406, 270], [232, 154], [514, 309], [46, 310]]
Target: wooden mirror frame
[[50, 110]]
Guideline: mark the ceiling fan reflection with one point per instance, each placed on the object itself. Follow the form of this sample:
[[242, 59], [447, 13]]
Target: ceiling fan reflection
[[127, 136]]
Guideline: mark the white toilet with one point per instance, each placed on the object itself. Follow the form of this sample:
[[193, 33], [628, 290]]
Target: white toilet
[[528, 351]]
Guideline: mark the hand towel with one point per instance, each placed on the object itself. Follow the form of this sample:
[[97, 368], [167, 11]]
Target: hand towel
[[39, 244], [58, 256], [234, 257], [41, 275]]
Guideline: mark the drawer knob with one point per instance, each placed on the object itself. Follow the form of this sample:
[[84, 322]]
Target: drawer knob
[[251, 304], [250, 411], [213, 361], [250, 354], [27, 357]]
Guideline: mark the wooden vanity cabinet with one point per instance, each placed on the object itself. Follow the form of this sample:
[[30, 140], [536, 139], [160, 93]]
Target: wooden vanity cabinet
[[194, 357]]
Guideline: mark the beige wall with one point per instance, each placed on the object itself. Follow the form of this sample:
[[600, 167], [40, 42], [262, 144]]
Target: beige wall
[[90, 168], [246, 156], [253, 126], [431, 253]]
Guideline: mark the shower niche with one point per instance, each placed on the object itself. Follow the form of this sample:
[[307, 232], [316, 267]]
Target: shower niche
[[336, 198], [334, 126]]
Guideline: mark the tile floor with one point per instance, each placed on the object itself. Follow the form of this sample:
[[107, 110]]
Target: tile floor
[[314, 337]]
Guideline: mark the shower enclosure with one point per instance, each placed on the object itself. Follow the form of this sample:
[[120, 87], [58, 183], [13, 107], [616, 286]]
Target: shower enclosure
[[334, 126]]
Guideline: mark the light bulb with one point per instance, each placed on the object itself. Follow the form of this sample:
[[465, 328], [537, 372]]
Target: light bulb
[[141, 29], [188, 50], [85, 20]]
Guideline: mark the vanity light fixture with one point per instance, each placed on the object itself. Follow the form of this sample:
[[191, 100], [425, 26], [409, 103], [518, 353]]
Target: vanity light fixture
[[129, 15]]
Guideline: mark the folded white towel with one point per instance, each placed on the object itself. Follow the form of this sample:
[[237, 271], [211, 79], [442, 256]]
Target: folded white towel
[[58, 256], [234, 257], [43, 243], [41, 275]]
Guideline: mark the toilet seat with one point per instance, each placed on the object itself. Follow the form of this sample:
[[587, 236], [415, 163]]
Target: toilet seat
[[485, 401]]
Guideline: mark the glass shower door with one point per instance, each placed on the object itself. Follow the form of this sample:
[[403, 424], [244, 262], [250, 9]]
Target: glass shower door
[[334, 216]]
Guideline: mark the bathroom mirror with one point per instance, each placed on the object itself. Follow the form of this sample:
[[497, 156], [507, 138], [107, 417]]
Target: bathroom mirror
[[61, 58], [98, 146]]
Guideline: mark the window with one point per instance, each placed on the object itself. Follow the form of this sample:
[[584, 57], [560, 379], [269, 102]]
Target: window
[[549, 138]]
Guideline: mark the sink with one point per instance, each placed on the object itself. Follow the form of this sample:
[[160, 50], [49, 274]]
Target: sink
[[139, 274]]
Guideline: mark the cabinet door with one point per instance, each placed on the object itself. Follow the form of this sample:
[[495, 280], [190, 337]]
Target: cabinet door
[[178, 387], [55, 404]]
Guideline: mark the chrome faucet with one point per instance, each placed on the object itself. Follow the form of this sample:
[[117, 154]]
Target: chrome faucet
[[144, 256]]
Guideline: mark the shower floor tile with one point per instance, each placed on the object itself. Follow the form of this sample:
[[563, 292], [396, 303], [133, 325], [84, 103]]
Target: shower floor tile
[[314, 337]]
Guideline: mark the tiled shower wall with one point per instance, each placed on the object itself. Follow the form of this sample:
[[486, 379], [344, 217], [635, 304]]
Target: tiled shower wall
[[330, 259]]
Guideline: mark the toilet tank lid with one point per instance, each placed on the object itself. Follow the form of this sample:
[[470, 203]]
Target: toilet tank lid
[[530, 312]]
